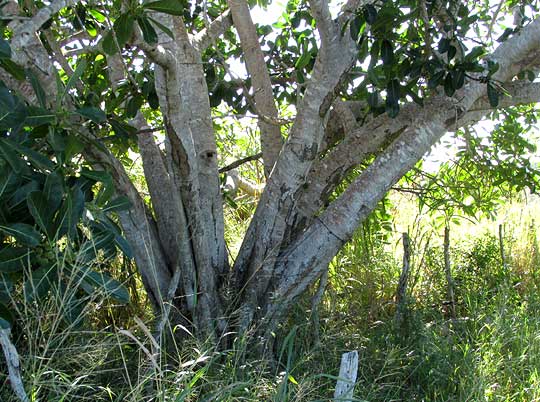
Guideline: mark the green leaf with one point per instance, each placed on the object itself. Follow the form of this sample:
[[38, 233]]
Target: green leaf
[[134, 105], [76, 76], [6, 288], [8, 181], [14, 69], [35, 158], [123, 28], [493, 95], [149, 33], [23, 233], [356, 25], [96, 281], [493, 67], [11, 156], [393, 91], [373, 99], [387, 52], [121, 203], [74, 146], [70, 214], [392, 98], [449, 89], [370, 14], [38, 89], [123, 245], [19, 195], [451, 52], [302, 61], [97, 175], [121, 128], [38, 116], [109, 44], [13, 259], [97, 15], [392, 108], [5, 49], [89, 248], [444, 45], [166, 30], [172, 7], [40, 209], [56, 140], [40, 282], [92, 113], [458, 78], [475, 53]]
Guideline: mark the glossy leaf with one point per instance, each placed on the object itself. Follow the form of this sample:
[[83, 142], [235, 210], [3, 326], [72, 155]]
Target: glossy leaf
[[123, 28], [23, 233], [150, 35], [13, 259], [172, 7]]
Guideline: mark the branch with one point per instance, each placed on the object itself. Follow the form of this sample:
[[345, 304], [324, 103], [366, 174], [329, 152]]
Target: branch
[[24, 31], [323, 18], [208, 36], [247, 186], [13, 364], [240, 162], [61, 59], [156, 53], [362, 141], [28, 51], [519, 93], [271, 141]]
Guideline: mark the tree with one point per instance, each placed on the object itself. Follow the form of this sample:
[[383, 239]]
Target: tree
[[374, 86]]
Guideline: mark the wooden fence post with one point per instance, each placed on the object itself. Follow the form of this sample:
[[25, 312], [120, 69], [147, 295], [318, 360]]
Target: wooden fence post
[[347, 377], [401, 292], [501, 246], [448, 271]]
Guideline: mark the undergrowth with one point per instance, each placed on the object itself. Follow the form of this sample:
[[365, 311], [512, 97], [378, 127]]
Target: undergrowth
[[489, 352]]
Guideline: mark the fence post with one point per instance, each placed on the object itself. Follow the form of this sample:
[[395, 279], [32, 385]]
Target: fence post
[[347, 377], [401, 292], [448, 271]]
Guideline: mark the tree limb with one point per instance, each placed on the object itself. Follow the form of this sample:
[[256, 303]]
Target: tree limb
[[208, 36], [271, 141], [13, 365], [240, 162]]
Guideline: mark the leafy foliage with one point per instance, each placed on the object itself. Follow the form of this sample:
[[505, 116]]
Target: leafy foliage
[[54, 213]]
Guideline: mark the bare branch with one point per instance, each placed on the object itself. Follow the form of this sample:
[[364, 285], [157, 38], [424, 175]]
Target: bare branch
[[240, 162], [218, 27], [25, 30], [323, 18], [13, 364]]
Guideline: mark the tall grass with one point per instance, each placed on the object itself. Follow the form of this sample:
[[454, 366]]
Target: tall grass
[[491, 352]]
